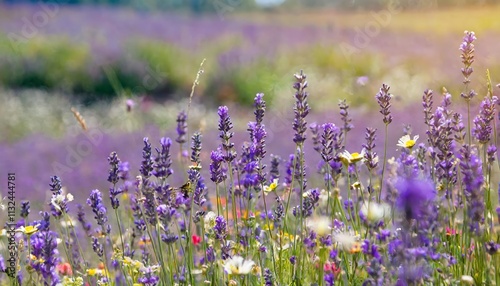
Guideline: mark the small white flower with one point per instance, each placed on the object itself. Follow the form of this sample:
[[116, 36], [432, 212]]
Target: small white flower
[[375, 212], [236, 265], [59, 199], [271, 188], [320, 225], [210, 220], [323, 197], [466, 279], [350, 158], [346, 241], [407, 142]]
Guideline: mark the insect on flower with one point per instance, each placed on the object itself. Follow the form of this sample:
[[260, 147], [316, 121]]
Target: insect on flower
[[184, 190]]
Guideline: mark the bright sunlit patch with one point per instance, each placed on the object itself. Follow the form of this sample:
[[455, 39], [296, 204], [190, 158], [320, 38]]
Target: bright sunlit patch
[[407, 142]]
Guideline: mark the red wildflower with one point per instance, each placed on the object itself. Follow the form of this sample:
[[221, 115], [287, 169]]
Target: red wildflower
[[196, 239], [64, 269]]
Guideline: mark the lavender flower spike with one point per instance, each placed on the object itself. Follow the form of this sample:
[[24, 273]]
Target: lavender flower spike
[[301, 108], [225, 133], [384, 100], [182, 127], [260, 108], [467, 55], [217, 172]]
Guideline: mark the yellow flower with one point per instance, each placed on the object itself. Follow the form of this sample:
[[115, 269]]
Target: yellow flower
[[28, 230], [351, 158], [407, 142], [127, 261], [271, 188], [96, 271]]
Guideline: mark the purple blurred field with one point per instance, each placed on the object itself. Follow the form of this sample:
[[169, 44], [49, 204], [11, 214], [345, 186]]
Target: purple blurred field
[[34, 159], [108, 30]]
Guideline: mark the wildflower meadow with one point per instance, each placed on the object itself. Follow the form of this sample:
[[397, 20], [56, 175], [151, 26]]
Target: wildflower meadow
[[421, 210]]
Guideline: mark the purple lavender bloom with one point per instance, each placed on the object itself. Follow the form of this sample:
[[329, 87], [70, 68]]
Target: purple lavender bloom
[[56, 189], [100, 212], [147, 162], [384, 100], [309, 203], [310, 241], [329, 279], [473, 180], [196, 148], [492, 247], [259, 142], [314, 127], [482, 122], [97, 247], [383, 235], [210, 254], [329, 139], [81, 218], [182, 127], [344, 116], [301, 108], [225, 133], [25, 209], [44, 248], [371, 158], [427, 104], [467, 55], [414, 196], [200, 190], [114, 161], [491, 151], [268, 277], [274, 172], [218, 175], [260, 108], [169, 238], [220, 228], [289, 169], [293, 259], [148, 278], [163, 160]]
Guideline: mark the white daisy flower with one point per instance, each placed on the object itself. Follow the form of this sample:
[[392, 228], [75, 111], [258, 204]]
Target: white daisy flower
[[320, 225], [271, 188], [236, 265], [210, 220], [407, 142], [375, 212], [350, 158]]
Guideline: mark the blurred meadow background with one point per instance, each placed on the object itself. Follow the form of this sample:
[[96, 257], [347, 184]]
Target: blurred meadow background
[[128, 68]]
